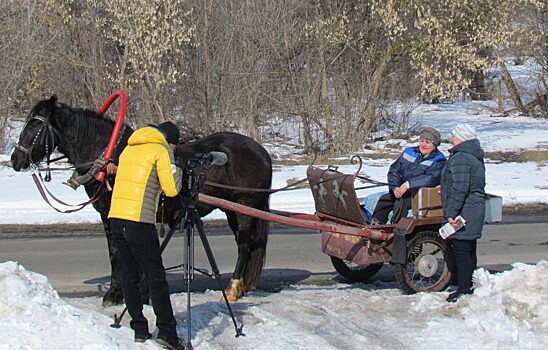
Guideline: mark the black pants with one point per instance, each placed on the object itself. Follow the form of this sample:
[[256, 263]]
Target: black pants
[[139, 250], [464, 256], [388, 202]]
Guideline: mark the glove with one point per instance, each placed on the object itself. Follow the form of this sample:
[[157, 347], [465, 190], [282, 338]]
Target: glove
[[174, 220], [99, 163], [108, 166]]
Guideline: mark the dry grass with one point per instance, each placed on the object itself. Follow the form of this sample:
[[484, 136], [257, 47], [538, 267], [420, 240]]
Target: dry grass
[[307, 160], [335, 160], [525, 209], [537, 156], [293, 180], [540, 157]]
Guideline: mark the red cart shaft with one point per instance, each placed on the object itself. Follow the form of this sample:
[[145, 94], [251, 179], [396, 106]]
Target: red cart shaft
[[312, 223]]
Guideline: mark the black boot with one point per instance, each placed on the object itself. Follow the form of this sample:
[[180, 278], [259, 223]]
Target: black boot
[[172, 344], [141, 338], [455, 296]]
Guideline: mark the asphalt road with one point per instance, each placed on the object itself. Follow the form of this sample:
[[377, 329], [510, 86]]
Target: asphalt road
[[77, 265]]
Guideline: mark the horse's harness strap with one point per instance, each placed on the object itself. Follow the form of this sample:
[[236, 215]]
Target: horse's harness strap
[[290, 187], [251, 189], [293, 186], [48, 134], [28, 151], [79, 165], [44, 192]]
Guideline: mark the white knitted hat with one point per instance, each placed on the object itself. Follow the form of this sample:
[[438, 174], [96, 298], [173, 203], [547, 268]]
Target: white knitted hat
[[464, 132]]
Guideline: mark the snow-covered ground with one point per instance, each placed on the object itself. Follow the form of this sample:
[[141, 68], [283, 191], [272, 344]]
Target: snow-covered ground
[[507, 311], [514, 182]]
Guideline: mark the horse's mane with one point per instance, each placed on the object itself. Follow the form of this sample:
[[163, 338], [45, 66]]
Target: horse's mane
[[86, 132], [88, 123]]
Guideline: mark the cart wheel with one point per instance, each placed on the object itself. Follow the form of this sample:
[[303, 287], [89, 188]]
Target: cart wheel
[[426, 268], [354, 272]]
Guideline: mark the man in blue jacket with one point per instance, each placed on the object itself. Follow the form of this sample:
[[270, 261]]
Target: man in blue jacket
[[416, 167]]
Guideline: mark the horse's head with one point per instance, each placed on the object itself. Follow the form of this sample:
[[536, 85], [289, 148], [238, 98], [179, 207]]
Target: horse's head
[[38, 136]]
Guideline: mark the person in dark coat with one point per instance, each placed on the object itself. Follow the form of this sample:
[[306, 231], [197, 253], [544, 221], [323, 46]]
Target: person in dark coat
[[463, 193], [416, 167]]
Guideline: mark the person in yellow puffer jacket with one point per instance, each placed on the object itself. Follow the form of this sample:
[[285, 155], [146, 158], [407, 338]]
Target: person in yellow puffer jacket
[[145, 169]]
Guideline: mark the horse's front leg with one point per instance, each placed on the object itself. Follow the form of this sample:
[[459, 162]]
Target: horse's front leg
[[114, 295]]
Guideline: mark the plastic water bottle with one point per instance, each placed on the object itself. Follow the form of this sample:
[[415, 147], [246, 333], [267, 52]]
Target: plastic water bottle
[[447, 229]]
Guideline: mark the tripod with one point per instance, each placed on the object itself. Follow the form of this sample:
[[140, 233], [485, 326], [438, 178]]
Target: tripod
[[187, 222], [190, 220]]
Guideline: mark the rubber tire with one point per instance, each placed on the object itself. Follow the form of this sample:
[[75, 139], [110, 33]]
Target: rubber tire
[[438, 284], [359, 273]]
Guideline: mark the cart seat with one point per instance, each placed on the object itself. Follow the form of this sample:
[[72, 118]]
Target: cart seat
[[369, 203], [334, 195]]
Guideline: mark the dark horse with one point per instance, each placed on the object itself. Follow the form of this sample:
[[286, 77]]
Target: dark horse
[[82, 135]]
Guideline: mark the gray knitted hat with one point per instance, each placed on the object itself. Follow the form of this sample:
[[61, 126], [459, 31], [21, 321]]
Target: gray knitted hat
[[464, 132]]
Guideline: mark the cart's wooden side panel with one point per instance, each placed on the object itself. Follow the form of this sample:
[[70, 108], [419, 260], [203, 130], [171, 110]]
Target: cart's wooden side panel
[[356, 249]]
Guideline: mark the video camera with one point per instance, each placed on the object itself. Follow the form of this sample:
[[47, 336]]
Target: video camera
[[201, 159]]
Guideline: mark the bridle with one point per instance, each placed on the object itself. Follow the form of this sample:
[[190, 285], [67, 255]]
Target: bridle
[[51, 138], [48, 136]]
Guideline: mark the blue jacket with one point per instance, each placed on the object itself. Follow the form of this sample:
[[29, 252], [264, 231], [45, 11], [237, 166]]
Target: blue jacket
[[418, 170], [463, 188]]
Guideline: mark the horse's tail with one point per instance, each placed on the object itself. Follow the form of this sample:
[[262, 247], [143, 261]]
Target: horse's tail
[[257, 253]]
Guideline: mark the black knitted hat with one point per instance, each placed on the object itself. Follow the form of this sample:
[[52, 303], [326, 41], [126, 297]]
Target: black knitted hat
[[170, 131]]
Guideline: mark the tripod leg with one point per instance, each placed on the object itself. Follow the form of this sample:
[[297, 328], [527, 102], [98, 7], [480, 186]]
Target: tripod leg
[[166, 240], [188, 276], [215, 270], [207, 247]]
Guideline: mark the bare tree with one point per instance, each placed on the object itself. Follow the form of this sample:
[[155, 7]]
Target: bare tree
[[22, 48], [343, 68]]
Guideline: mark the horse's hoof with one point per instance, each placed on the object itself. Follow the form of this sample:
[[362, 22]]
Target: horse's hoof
[[110, 302], [235, 289], [231, 298]]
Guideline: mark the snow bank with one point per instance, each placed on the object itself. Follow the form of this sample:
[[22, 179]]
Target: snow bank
[[32, 316], [507, 311]]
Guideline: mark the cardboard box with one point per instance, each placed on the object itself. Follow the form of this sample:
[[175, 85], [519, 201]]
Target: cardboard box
[[427, 197], [426, 202]]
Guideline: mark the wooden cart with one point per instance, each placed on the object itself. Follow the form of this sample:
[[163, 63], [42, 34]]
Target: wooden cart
[[413, 246], [358, 250]]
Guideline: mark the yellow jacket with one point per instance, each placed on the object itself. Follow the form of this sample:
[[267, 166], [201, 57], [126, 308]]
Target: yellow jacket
[[145, 169]]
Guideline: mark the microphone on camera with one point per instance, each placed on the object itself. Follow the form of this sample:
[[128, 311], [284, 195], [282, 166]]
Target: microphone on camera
[[217, 158]]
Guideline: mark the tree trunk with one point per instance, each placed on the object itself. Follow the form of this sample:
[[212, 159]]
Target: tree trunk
[[207, 86], [500, 98], [368, 123], [477, 87], [512, 88], [307, 132]]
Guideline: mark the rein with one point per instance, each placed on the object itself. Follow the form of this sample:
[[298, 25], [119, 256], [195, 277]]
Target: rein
[[293, 185], [44, 192], [251, 189], [79, 165]]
